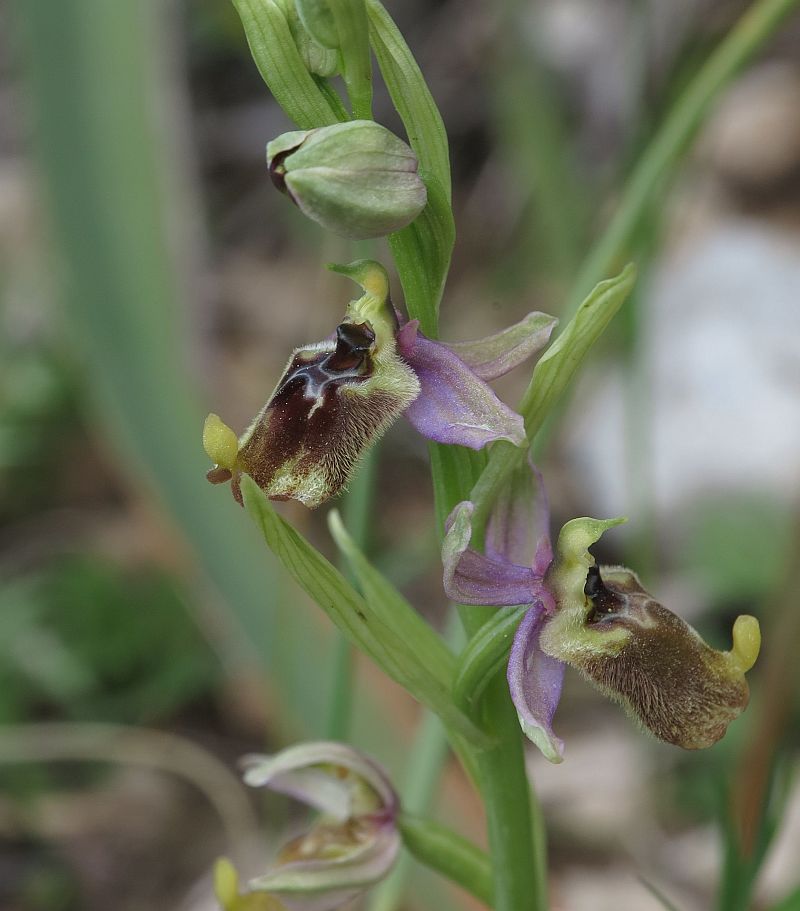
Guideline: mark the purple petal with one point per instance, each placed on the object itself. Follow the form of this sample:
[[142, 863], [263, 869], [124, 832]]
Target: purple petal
[[454, 406], [326, 883], [495, 355], [471, 578], [518, 528], [535, 680], [407, 337]]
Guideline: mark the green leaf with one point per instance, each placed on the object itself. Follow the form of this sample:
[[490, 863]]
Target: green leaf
[[352, 29], [391, 607], [485, 656], [552, 375], [411, 95], [281, 66], [422, 254], [558, 365], [402, 659]]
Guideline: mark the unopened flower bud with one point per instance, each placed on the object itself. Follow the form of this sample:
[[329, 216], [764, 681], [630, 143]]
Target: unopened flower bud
[[357, 178], [321, 60], [639, 653], [317, 17]]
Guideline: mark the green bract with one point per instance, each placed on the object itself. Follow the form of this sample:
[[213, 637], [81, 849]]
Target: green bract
[[356, 179]]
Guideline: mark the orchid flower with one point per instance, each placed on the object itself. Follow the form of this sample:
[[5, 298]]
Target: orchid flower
[[352, 847], [599, 620], [338, 396]]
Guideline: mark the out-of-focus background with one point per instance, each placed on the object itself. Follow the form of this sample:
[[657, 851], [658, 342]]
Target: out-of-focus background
[[150, 273]]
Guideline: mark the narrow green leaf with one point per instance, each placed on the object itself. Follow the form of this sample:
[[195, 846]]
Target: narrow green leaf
[[558, 365], [391, 607], [356, 617], [552, 375], [422, 254], [281, 66], [443, 850], [484, 657], [411, 95], [352, 29]]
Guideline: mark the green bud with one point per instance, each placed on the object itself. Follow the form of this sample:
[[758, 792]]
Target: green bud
[[318, 19], [639, 653], [319, 59], [357, 179]]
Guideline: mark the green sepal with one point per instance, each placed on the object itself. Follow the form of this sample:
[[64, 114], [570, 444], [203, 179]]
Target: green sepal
[[357, 618], [567, 575]]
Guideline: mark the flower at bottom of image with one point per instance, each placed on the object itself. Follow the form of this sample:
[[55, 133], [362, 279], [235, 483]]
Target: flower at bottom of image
[[599, 620], [353, 845]]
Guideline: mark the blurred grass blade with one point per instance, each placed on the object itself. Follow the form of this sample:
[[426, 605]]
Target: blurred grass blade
[[410, 95], [790, 903], [281, 66], [413, 663], [94, 76], [664, 152], [484, 656], [422, 254], [533, 140], [658, 895]]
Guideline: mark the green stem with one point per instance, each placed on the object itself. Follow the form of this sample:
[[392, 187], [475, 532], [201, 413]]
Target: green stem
[[519, 880], [664, 151], [451, 855]]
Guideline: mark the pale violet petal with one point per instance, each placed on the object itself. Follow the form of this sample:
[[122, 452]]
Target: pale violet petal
[[495, 355], [472, 578], [518, 528], [455, 406], [535, 681]]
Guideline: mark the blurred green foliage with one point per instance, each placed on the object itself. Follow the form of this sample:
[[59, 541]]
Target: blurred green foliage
[[87, 640]]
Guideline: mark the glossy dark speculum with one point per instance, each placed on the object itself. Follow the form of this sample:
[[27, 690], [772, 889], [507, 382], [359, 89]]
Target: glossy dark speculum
[[328, 406]]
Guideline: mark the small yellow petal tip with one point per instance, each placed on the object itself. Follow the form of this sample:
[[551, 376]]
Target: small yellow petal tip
[[226, 883], [746, 641], [220, 442]]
